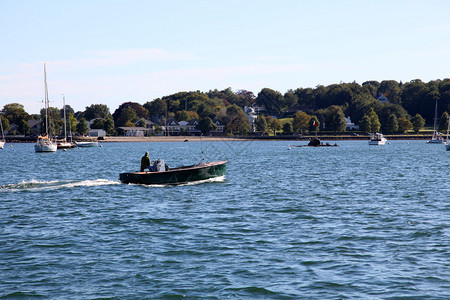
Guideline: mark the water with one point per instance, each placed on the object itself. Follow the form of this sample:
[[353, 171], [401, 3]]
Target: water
[[347, 222]]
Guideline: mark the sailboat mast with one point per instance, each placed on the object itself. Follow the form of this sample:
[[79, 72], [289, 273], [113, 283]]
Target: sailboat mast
[[64, 108], [435, 116], [1, 126], [46, 102]]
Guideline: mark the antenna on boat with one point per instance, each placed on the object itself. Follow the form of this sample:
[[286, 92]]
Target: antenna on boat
[[201, 145]]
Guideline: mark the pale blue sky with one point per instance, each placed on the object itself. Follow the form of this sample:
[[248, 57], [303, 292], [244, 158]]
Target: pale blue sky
[[112, 51]]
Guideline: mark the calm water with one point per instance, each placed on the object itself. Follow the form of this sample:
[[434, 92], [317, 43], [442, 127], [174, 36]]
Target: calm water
[[348, 222]]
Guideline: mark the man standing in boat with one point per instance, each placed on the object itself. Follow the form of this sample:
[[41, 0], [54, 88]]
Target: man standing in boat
[[145, 162]]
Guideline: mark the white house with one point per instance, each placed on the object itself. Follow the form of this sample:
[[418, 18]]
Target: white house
[[350, 125], [251, 116]]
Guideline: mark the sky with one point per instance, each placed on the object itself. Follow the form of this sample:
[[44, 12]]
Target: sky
[[115, 51]]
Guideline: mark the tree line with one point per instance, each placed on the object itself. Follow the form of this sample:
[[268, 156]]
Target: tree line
[[410, 106]]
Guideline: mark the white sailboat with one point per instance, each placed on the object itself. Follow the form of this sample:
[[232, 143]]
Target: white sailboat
[[65, 144], [447, 142], [2, 141], [44, 142], [436, 138]]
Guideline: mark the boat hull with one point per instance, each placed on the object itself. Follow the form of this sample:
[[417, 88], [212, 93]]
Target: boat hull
[[44, 144], [65, 145], [2, 144], [45, 148], [177, 175], [87, 144], [381, 142]]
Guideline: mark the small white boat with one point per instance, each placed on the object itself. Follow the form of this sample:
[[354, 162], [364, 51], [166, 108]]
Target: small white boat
[[86, 144], [44, 142], [377, 139]]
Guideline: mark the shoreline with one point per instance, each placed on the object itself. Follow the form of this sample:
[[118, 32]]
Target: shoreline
[[116, 139]]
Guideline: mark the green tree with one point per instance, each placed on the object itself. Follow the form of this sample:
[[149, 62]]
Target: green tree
[[24, 128], [129, 111], [108, 125], [392, 124], [335, 119], [364, 124], [71, 123], [271, 100], [183, 115], [54, 120], [127, 115], [404, 125], [156, 107], [287, 128], [15, 113], [97, 111], [418, 122], [261, 124], [371, 123], [237, 122], [300, 122], [205, 125], [82, 127], [5, 123], [443, 122], [273, 124]]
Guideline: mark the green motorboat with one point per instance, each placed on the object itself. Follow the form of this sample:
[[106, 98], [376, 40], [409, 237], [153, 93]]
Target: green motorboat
[[180, 175]]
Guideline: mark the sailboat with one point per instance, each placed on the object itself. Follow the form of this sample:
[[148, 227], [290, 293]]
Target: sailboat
[[447, 142], [436, 138], [65, 144], [2, 141], [44, 142]]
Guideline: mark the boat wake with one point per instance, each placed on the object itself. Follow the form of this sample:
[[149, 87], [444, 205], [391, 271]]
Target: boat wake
[[215, 179], [35, 185]]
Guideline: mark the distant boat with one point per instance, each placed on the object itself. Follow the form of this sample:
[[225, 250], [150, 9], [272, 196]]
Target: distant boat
[[65, 144], [436, 138], [87, 144], [377, 139], [44, 142], [180, 175], [447, 141], [2, 141]]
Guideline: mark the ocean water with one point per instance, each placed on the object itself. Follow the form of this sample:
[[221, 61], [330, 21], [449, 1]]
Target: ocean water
[[348, 222]]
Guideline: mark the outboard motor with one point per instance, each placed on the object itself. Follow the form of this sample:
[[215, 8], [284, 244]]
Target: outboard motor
[[160, 166]]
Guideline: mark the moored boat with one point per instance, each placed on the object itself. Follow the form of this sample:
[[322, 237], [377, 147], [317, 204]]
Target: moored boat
[[64, 144], [436, 138], [377, 139], [87, 144], [180, 175], [44, 143]]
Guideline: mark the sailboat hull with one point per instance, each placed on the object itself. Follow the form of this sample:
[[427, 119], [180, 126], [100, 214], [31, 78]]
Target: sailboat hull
[[44, 144]]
